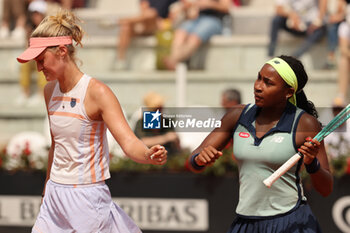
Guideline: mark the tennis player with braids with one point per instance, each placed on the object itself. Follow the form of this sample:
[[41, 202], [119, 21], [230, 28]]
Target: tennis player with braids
[[265, 135], [80, 109]]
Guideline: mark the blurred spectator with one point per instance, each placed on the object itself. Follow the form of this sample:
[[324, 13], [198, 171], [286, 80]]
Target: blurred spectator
[[70, 4], [13, 16], [344, 60], [204, 20], [300, 18], [230, 98], [335, 15], [152, 13], [164, 37], [237, 2], [338, 142], [37, 11], [165, 136]]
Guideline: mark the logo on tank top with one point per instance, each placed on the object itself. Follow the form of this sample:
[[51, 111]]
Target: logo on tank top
[[73, 102], [244, 135], [277, 139]]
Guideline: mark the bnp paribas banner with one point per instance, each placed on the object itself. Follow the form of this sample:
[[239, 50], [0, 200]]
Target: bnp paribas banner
[[148, 213], [178, 202]]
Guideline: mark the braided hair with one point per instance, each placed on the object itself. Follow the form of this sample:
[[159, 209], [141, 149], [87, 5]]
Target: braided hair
[[302, 77]]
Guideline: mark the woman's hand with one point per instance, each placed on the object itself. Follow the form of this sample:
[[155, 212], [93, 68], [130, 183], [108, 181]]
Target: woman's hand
[[310, 149], [207, 156], [157, 155]]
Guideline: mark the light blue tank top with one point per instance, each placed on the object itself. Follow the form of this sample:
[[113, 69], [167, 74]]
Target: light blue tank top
[[258, 158]]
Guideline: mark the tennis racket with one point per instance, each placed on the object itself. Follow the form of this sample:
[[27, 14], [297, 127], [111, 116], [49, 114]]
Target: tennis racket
[[329, 128]]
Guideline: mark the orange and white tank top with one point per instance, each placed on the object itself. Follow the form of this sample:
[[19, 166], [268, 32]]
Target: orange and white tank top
[[81, 153]]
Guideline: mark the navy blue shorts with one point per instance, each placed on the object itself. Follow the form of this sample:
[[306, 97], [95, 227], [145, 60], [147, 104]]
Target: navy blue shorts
[[301, 220]]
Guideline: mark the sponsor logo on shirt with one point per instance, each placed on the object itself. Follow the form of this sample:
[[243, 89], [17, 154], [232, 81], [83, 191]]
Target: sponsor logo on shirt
[[244, 135], [277, 139], [73, 102]]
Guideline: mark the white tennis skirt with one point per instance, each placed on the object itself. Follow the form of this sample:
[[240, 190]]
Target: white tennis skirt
[[81, 209]]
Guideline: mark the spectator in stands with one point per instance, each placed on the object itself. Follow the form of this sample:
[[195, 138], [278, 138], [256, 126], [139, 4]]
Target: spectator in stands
[[204, 21], [14, 12], [69, 4], [37, 11], [165, 136], [230, 98], [151, 14], [301, 18], [344, 60], [338, 142], [335, 15]]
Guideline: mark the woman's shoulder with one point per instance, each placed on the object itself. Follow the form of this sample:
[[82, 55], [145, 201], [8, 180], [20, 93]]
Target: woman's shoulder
[[97, 86], [308, 126], [238, 109], [308, 122], [233, 114], [99, 91]]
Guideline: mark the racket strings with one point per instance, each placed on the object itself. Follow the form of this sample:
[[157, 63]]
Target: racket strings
[[339, 123], [338, 120]]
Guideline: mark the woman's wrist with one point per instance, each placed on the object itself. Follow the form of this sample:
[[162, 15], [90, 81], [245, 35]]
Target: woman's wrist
[[313, 167], [194, 163]]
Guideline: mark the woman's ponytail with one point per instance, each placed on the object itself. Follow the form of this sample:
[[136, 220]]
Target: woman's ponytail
[[302, 77]]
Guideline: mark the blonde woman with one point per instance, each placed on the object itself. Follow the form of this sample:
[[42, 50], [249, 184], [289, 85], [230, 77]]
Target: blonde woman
[[80, 109]]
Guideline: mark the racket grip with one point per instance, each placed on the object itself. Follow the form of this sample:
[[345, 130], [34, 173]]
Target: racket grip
[[281, 170]]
